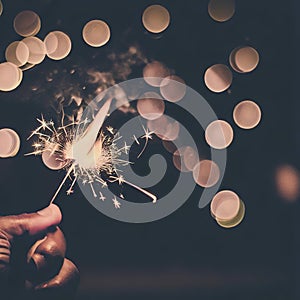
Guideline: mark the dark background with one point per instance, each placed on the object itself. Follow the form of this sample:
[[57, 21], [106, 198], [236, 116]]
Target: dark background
[[186, 255]]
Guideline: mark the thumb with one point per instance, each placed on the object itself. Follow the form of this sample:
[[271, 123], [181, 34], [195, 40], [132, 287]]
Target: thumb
[[31, 224]]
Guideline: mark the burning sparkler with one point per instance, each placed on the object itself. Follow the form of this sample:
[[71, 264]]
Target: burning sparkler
[[85, 152]]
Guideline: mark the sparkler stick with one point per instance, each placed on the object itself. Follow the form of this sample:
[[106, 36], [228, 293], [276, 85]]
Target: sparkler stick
[[62, 183]]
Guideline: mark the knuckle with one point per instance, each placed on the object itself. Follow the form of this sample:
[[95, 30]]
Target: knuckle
[[49, 249], [4, 260], [4, 251]]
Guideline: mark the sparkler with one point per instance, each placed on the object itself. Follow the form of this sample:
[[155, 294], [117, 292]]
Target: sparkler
[[85, 152]]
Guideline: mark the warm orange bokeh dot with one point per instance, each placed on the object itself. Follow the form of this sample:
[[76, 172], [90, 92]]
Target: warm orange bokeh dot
[[9, 143], [37, 50], [27, 23], [154, 72], [218, 78], [156, 18], [247, 114], [173, 88], [219, 134], [244, 59], [206, 173], [17, 53], [165, 128], [221, 10], [10, 76], [225, 205], [150, 106], [96, 33], [287, 179], [58, 45]]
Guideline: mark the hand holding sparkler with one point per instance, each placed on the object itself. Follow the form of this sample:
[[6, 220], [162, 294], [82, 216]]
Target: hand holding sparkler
[[32, 255]]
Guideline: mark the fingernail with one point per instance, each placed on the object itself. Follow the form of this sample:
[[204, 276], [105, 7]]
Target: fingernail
[[41, 286], [49, 210]]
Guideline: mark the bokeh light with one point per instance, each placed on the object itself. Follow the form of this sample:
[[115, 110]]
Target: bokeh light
[[225, 205], [27, 23], [9, 143], [173, 88], [221, 10], [154, 73], [58, 45], [37, 50], [244, 59], [10, 76], [206, 173], [218, 78], [169, 146], [52, 161], [1, 8], [247, 114], [27, 67], [236, 220], [165, 128], [17, 53], [190, 157], [219, 134], [156, 18], [96, 33], [178, 160], [287, 179], [150, 106]]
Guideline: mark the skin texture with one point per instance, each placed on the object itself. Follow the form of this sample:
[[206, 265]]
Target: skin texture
[[32, 257]]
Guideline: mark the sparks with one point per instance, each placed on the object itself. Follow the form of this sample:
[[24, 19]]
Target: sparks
[[120, 179], [110, 129], [116, 203], [84, 151], [147, 136], [136, 140], [101, 197], [125, 148]]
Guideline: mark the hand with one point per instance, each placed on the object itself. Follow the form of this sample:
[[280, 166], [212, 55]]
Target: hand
[[32, 257]]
